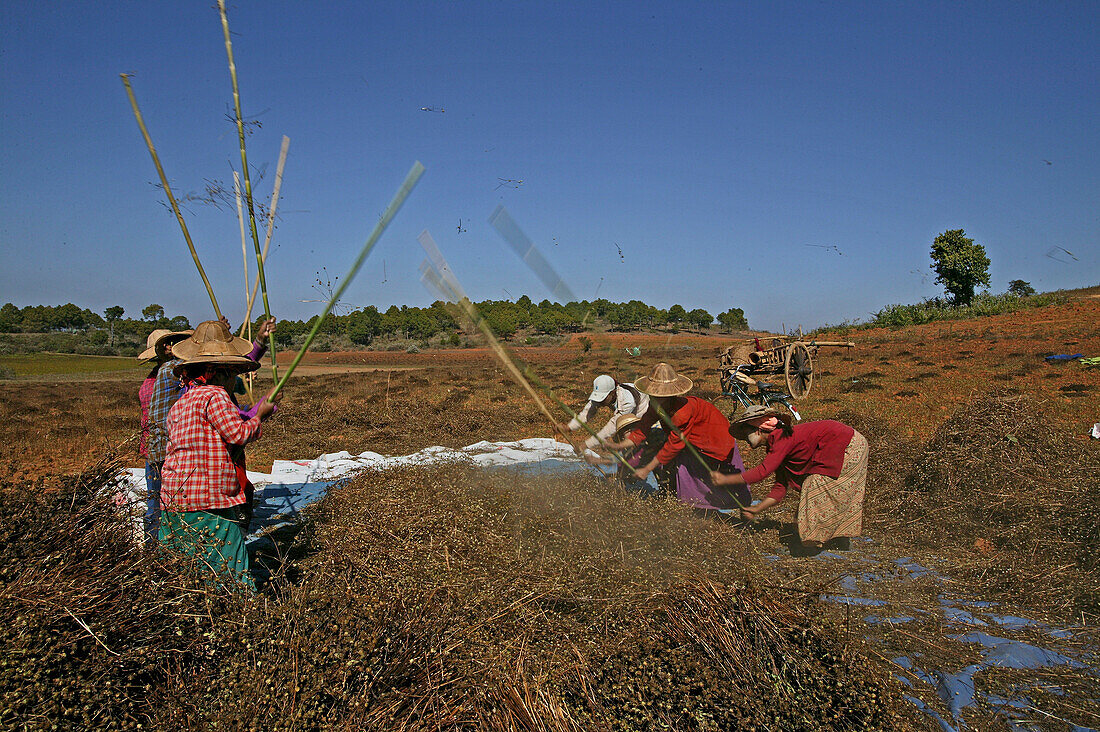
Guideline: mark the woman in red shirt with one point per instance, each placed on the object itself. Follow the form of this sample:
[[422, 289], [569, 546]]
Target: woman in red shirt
[[825, 461], [704, 428], [203, 488]]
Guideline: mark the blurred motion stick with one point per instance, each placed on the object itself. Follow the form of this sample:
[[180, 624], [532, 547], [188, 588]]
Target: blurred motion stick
[[247, 182], [387, 216], [449, 284], [442, 280], [168, 192], [509, 230]]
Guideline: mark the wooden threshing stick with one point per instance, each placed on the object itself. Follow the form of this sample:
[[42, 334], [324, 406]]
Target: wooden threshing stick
[[270, 224], [168, 192], [247, 181]]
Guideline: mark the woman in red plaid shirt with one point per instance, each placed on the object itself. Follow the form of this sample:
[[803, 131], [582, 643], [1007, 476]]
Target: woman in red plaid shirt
[[203, 490]]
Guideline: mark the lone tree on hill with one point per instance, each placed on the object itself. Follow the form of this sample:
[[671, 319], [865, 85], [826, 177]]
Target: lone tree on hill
[[1020, 288], [960, 265]]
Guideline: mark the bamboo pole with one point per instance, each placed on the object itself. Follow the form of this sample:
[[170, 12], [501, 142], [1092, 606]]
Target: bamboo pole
[[247, 181], [403, 192], [244, 256], [443, 279], [168, 192], [446, 285], [509, 230], [451, 282], [244, 247], [270, 221]]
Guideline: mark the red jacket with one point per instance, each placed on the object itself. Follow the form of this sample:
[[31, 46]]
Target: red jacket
[[702, 424], [814, 448]]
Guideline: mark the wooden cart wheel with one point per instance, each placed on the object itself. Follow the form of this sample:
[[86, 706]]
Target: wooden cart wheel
[[799, 369]]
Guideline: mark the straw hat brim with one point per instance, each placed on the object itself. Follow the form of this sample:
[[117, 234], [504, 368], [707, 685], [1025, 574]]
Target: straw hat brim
[[192, 350], [678, 386], [240, 364], [746, 420], [627, 420], [159, 346]]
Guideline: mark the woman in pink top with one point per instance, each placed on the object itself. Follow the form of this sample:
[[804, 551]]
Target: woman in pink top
[[825, 461]]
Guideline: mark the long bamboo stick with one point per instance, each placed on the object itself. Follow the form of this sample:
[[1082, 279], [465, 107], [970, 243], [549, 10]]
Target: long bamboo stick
[[270, 222], [247, 181], [244, 242], [244, 256], [448, 278], [403, 192], [510, 231], [168, 192], [440, 277]]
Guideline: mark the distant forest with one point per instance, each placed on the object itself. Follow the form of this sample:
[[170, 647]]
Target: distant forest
[[363, 326]]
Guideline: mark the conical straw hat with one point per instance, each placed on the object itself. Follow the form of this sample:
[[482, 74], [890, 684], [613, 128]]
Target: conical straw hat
[[213, 343], [626, 420], [758, 413], [663, 381], [159, 340]]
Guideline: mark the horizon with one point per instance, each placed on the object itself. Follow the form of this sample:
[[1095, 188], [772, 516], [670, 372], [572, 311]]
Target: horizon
[[789, 160]]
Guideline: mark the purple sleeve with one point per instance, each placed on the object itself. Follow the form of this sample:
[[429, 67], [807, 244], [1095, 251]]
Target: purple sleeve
[[259, 348], [247, 414]]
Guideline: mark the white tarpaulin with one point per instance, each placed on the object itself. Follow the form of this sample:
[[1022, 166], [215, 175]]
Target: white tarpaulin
[[293, 484]]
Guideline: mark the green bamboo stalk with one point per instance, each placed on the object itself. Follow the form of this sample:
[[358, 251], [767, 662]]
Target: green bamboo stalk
[[247, 181], [403, 192], [168, 191]]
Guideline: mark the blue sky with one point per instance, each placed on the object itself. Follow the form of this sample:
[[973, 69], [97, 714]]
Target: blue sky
[[724, 148]]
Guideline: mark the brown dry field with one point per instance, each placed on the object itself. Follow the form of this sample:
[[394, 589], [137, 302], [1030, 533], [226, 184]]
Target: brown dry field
[[899, 386], [909, 379]]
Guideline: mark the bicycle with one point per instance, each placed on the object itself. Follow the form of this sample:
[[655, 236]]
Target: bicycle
[[736, 385]]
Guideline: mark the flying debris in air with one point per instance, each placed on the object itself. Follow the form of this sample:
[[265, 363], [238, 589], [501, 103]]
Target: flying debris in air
[[384, 277], [510, 182], [1056, 253], [831, 247], [460, 229], [432, 109], [621, 257], [1047, 162]]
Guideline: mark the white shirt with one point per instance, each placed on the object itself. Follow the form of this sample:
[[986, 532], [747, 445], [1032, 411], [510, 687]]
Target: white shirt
[[625, 403]]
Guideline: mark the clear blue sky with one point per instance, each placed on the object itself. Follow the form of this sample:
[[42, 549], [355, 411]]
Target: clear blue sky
[[724, 147]]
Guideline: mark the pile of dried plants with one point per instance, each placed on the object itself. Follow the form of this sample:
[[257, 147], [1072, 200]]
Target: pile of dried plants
[[431, 598]]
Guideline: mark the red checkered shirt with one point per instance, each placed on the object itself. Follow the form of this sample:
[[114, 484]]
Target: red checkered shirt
[[198, 473]]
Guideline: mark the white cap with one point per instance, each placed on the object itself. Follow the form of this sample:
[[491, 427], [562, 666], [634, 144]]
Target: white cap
[[601, 387]]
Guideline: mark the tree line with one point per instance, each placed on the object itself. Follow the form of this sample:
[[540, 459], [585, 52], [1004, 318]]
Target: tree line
[[363, 325]]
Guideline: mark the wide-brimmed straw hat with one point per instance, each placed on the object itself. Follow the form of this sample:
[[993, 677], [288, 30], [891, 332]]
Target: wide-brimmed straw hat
[[212, 343], [158, 341], [663, 381], [757, 413], [626, 420]]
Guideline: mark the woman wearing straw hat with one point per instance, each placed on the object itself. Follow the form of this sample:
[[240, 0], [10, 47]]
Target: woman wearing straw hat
[[825, 461], [698, 442], [158, 351], [204, 487]]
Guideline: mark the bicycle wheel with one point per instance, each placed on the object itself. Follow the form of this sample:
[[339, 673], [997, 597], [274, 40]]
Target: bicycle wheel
[[783, 407]]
